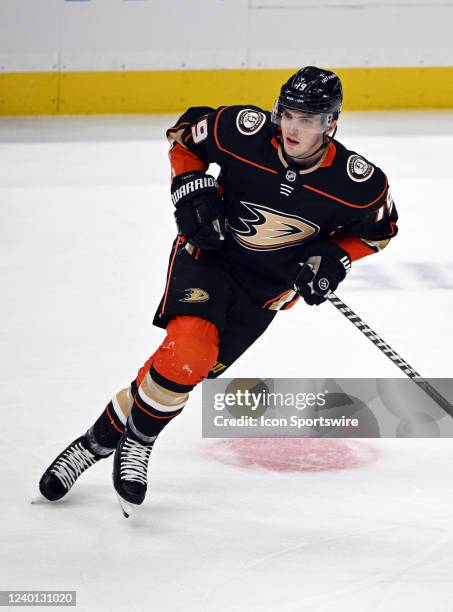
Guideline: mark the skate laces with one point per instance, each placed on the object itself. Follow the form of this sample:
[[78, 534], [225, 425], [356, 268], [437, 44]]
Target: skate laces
[[134, 461], [72, 463]]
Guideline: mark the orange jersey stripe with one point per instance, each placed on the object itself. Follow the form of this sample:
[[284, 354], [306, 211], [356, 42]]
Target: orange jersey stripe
[[179, 126], [331, 197], [275, 298], [290, 304], [247, 161], [179, 241], [331, 152]]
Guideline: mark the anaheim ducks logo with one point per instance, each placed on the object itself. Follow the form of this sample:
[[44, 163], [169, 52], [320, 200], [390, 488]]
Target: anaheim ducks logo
[[269, 229], [195, 295]]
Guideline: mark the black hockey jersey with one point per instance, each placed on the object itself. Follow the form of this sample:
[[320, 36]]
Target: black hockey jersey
[[273, 208]]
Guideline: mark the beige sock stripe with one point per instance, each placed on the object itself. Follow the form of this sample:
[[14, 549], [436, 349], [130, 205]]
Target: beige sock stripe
[[122, 404], [160, 398]]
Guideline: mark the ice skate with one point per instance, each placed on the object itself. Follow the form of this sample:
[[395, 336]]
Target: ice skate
[[63, 472], [130, 468]]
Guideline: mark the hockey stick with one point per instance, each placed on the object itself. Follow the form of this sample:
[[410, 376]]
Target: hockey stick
[[390, 353]]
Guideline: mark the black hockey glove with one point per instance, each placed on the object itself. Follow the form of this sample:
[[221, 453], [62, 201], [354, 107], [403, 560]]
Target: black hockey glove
[[325, 266], [199, 209]]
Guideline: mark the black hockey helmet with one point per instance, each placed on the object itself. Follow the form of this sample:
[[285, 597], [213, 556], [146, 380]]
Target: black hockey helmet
[[310, 90]]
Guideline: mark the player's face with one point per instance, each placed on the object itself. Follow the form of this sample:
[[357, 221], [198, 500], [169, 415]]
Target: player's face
[[301, 132]]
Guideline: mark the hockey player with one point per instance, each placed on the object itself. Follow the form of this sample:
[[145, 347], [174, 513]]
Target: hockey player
[[292, 208]]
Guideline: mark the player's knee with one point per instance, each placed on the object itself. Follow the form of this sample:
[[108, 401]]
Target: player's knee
[[142, 373], [188, 352]]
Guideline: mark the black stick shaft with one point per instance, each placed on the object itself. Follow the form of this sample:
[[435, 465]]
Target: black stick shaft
[[391, 354]]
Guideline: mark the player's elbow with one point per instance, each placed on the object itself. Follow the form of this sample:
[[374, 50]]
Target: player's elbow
[[381, 243]]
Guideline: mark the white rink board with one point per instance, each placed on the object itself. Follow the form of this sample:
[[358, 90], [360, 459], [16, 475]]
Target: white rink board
[[86, 224], [115, 35]]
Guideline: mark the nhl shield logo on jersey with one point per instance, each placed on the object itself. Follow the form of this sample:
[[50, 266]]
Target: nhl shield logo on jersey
[[250, 121], [291, 176], [193, 294], [268, 229], [358, 168]]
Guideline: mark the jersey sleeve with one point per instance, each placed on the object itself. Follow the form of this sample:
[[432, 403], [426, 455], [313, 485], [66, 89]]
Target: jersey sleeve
[[193, 141], [371, 233]]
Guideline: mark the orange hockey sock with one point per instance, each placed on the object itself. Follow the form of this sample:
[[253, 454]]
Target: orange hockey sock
[[183, 360]]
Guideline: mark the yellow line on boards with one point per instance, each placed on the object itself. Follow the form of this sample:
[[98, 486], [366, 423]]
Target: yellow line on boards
[[69, 93]]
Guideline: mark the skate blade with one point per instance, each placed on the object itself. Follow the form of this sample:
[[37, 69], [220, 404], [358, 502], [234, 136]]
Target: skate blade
[[126, 507], [38, 498]]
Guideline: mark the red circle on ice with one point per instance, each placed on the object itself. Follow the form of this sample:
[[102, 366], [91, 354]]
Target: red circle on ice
[[293, 454]]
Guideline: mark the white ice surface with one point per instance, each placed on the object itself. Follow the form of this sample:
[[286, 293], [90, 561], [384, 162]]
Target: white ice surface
[[85, 228]]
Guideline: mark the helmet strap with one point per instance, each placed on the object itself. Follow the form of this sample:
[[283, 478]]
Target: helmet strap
[[326, 140]]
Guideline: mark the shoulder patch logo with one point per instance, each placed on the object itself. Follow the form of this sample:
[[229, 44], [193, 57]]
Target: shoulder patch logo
[[250, 121], [359, 170]]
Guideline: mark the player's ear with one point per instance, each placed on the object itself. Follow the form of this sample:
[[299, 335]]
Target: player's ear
[[332, 127]]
